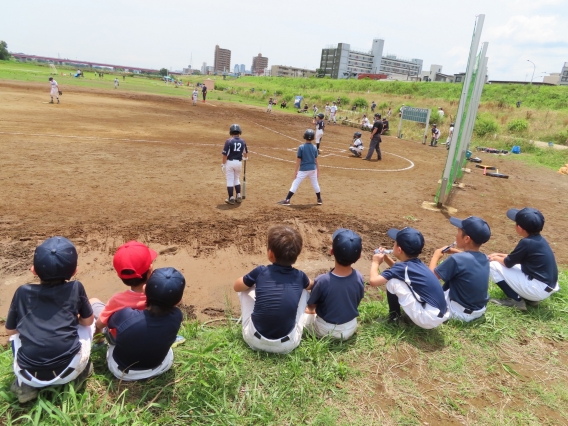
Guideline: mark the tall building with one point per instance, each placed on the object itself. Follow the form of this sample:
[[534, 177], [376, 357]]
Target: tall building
[[259, 63], [222, 60], [242, 69], [204, 68], [286, 71], [564, 75], [236, 69], [342, 62]]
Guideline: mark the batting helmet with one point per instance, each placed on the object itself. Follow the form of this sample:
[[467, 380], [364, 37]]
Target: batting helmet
[[357, 135], [452, 125], [309, 135], [235, 129], [320, 115]]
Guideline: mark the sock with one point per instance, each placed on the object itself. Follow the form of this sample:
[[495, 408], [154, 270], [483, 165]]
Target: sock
[[509, 292], [230, 191], [238, 189], [318, 146], [394, 305], [290, 193], [318, 194]]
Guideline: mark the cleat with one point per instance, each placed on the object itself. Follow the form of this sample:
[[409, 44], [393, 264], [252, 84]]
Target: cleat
[[320, 202], [284, 202], [230, 201], [510, 303], [78, 382], [532, 302], [239, 199], [179, 340], [25, 393], [51, 101]]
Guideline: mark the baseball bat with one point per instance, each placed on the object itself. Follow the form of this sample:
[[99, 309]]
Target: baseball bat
[[245, 181]]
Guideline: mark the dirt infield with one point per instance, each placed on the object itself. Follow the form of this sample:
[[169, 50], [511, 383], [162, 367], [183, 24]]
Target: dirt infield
[[106, 167]]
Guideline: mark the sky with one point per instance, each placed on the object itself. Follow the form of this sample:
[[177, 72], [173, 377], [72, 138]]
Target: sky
[[176, 33]]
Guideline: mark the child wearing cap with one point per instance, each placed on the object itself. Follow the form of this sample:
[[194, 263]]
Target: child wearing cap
[[50, 324], [274, 297], [334, 300], [133, 264], [529, 273], [410, 284], [144, 337], [466, 272]]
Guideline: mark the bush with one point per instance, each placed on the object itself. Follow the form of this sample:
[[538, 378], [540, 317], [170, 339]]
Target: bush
[[344, 101], [435, 118], [485, 125], [360, 103], [518, 125]]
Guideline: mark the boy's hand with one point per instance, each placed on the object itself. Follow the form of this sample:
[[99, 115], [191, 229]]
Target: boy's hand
[[378, 258]]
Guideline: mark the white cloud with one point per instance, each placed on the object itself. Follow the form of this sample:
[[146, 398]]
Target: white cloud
[[532, 29]]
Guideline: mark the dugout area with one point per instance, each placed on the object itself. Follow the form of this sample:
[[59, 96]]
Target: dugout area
[[103, 168]]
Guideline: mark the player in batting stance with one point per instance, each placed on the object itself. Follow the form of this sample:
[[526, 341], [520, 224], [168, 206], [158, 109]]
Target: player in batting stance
[[54, 89], [234, 152]]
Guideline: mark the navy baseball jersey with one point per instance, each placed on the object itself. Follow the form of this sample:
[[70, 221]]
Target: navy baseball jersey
[[235, 148], [320, 125]]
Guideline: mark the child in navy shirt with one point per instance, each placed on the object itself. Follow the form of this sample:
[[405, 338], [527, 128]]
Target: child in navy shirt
[[332, 306], [529, 273], [410, 284], [274, 297], [466, 272], [306, 167]]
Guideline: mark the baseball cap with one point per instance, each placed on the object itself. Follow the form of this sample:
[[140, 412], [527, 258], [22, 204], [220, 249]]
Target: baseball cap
[[475, 227], [377, 114], [165, 286], [409, 240], [133, 259], [347, 246], [531, 220], [55, 259]]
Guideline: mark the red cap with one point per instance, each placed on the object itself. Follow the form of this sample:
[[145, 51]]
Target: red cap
[[133, 256]]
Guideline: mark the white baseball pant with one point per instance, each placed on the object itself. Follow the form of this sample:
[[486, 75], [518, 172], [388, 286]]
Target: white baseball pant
[[54, 92], [311, 174], [355, 150], [79, 361], [457, 311], [319, 135], [138, 374], [533, 290], [251, 335], [332, 117], [233, 172], [423, 315], [321, 328]]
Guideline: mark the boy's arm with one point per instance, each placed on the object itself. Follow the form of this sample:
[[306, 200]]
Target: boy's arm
[[87, 321], [375, 279], [435, 260], [310, 286], [311, 309], [240, 285]]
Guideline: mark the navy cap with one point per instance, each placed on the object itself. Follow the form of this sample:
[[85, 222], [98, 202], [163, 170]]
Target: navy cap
[[347, 246], [55, 259], [474, 227], [165, 286], [531, 220], [408, 239]]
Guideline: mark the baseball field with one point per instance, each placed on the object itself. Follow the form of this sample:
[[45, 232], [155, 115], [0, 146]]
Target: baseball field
[[107, 166]]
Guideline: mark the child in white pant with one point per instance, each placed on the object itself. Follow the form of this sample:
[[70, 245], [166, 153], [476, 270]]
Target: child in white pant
[[306, 167], [356, 147]]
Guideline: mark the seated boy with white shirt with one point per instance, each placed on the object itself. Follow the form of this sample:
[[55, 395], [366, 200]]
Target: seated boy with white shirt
[[466, 272], [274, 297], [332, 306]]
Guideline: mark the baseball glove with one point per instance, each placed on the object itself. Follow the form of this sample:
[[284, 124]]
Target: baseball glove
[[60, 93]]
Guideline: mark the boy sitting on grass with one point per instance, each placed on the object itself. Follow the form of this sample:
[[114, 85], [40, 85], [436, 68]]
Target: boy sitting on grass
[[50, 324], [274, 297], [332, 306], [409, 283], [466, 272], [133, 264], [529, 273], [144, 337]]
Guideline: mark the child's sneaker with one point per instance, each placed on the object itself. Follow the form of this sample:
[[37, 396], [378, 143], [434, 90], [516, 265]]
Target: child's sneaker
[[179, 340], [320, 202], [239, 199], [84, 375], [284, 202], [25, 393], [230, 201]]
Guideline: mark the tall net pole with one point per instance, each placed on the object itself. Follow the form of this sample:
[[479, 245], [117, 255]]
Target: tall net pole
[[452, 162]]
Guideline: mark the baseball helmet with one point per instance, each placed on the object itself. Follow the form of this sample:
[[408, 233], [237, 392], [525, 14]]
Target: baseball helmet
[[235, 129], [434, 125], [320, 115], [357, 134], [309, 135], [452, 125]]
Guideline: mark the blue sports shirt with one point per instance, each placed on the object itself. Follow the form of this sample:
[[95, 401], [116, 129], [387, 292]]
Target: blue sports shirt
[[308, 153]]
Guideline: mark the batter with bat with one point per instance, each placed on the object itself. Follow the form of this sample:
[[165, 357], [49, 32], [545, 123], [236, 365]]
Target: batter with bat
[[234, 152]]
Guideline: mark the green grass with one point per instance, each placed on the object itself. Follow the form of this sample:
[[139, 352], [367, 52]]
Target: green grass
[[508, 368]]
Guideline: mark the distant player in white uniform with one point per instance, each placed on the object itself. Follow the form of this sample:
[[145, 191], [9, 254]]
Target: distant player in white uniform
[[320, 125], [333, 111], [54, 89], [194, 96], [357, 146], [315, 110], [435, 135], [327, 110], [116, 83], [269, 108], [365, 125]]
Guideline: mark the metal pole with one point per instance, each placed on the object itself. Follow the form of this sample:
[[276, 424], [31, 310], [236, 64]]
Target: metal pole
[[534, 69], [424, 138], [400, 124], [465, 89]]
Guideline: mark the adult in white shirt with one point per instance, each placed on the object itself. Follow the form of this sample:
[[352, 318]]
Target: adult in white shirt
[[441, 112]]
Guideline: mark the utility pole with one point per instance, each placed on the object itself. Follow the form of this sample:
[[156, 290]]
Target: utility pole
[[534, 69]]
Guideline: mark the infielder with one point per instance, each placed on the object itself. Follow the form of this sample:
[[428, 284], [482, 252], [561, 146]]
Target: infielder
[[435, 135], [194, 96], [234, 152], [54, 89], [333, 111], [270, 103], [315, 110], [116, 83], [327, 110], [356, 147], [320, 125], [306, 167]]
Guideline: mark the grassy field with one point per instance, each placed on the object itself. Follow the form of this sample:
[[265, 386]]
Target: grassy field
[[508, 368]]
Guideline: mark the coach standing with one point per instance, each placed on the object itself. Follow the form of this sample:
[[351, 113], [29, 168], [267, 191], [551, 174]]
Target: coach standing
[[375, 139], [204, 91]]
